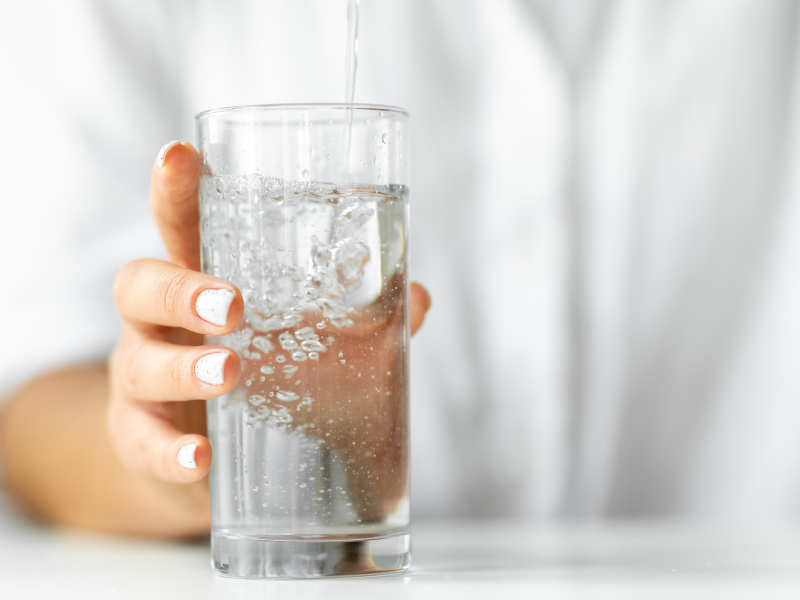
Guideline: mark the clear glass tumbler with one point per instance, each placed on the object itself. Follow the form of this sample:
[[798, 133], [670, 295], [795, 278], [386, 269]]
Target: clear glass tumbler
[[305, 209]]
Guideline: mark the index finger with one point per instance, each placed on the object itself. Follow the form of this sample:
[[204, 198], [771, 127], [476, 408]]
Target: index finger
[[173, 197]]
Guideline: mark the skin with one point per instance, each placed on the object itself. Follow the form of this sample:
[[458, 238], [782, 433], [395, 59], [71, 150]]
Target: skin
[[95, 446]]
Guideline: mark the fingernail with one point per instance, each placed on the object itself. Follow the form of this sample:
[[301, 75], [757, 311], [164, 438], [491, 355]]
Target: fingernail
[[186, 456], [162, 154], [211, 368], [213, 305]]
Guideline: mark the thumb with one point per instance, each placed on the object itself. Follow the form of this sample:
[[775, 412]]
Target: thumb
[[173, 197]]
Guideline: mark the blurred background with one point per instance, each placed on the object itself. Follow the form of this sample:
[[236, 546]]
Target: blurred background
[[604, 209]]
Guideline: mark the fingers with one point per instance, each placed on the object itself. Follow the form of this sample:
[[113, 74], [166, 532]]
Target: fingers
[[153, 370], [148, 443], [152, 291], [419, 303], [173, 197]]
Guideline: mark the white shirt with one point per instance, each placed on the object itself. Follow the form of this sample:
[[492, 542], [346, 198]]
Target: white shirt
[[604, 208]]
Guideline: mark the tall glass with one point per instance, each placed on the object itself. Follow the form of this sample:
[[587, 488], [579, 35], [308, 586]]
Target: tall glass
[[305, 208]]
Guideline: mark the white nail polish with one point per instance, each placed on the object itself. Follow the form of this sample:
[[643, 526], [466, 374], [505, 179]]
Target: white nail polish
[[162, 154], [213, 305], [186, 456], [211, 368]]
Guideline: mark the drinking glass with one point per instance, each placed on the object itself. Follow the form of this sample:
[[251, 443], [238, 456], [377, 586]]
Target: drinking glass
[[305, 209]]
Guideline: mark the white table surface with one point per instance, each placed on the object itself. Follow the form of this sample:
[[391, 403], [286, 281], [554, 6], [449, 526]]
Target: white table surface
[[497, 560]]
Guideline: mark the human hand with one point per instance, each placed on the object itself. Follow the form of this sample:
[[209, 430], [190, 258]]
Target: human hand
[[159, 368]]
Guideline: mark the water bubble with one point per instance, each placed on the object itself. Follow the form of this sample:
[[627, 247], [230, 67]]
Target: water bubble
[[295, 273], [270, 324], [287, 341], [280, 358], [257, 400], [321, 325], [306, 333], [350, 259], [290, 370], [313, 355], [266, 370], [286, 396], [305, 173], [384, 137], [312, 346], [299, 355], [399, 136], [262, 344]]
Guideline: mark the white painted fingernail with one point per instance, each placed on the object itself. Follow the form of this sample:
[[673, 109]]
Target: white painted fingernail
[[186, 456], [211, 368], [213, 305], [162, 154]]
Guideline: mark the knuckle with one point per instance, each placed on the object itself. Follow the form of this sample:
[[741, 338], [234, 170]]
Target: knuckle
[[173, 290], [131, 367], [176, 373]]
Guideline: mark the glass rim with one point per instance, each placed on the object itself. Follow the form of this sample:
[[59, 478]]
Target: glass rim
[[300, 106]]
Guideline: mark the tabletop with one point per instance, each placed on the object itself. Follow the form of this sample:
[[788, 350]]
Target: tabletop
[[469, 559]]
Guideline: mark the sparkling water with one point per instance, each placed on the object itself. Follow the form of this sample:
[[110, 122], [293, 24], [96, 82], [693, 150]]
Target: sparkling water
[[313, 439]]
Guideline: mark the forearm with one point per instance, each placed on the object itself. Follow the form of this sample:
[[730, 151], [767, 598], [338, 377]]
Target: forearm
[[59, 464]]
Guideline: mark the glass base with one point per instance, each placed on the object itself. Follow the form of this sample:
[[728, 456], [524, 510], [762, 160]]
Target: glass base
[[321, 556]]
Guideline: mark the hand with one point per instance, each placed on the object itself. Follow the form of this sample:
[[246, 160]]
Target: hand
[[159, 369]]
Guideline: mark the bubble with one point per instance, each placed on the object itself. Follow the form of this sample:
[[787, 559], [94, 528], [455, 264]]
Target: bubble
[[305, 173], [399, 137], [262, 344], [280, 358], [287, 341], [270, 324], [257, 400], [266, 370], [299, 355], [251, 355], [384, 137], [295, 273], [313, 355], [350, 259], [312, 346], [238, 341], [321, 325], [286, 396], [290, 370], [306, 333]]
